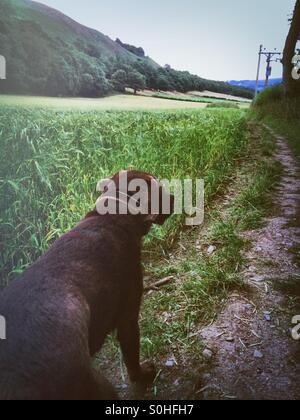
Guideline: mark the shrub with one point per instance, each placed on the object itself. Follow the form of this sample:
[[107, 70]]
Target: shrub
[[232, 105]]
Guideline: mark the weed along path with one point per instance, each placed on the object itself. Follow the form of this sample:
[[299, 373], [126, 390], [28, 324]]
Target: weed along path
[[250, 345]]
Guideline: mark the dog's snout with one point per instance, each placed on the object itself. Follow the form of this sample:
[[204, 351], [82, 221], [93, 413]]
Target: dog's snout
[[167, 206]]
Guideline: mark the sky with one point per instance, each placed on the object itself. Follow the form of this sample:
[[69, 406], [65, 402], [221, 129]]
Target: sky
[[215, 39]]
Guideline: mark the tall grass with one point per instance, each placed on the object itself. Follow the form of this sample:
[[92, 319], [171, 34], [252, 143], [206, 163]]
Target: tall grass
[[50, 163], [281, 113], [273, 101]]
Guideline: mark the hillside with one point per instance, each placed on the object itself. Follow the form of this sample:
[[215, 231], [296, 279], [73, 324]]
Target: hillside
[[250, 84], [50, 54]]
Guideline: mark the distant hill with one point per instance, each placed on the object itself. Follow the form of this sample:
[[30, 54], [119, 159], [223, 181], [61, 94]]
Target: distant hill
[[48, 53], [251, 84]]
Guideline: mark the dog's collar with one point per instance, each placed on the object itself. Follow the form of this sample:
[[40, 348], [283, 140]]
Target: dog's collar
[[119, 200]]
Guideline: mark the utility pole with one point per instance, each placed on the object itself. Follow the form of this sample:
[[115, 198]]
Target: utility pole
[[269, 55], [269, 69], [258, 69]]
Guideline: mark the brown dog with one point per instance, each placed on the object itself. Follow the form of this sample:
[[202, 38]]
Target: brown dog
[[59, 312]]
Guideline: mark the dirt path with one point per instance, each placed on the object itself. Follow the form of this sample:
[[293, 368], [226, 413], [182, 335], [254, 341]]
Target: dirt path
[[253, 355]]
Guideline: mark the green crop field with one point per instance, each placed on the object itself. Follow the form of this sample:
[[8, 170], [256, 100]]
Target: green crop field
[[51, 161]]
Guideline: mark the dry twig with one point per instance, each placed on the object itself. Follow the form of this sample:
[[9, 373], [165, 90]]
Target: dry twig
[[160, 283]]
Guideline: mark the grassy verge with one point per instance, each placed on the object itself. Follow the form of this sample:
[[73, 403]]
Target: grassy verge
[[280, 113]]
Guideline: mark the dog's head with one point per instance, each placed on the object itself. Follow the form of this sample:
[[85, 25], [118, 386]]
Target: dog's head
[[136, 193]]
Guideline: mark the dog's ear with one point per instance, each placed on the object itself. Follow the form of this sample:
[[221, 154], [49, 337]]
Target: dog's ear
[[157, 219], [152, 218], [92, 213]]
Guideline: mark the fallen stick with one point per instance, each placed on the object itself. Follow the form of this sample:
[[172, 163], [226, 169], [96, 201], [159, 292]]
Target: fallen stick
[[160, 283]]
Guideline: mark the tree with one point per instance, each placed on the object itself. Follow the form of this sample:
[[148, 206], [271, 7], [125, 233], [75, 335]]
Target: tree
[[163, 83], [292, 86], [149, 71], [87, 85], [136, 81], [102, 85], [93, 80], [58, 80], [119, 80]]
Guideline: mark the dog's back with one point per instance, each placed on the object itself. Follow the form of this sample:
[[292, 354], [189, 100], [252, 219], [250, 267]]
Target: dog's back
[[59, 312], [44, 331]]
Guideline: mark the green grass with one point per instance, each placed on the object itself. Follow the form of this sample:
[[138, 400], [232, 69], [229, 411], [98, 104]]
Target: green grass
[[50, 164], [273, 102], [280, 113]]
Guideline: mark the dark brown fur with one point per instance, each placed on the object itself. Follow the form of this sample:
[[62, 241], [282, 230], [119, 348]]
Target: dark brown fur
[[60, 311]]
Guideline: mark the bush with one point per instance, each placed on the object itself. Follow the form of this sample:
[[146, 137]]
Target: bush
[[232, 105]]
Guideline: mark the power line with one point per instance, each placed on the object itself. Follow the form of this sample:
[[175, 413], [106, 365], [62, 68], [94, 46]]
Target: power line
[[270, 58]]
